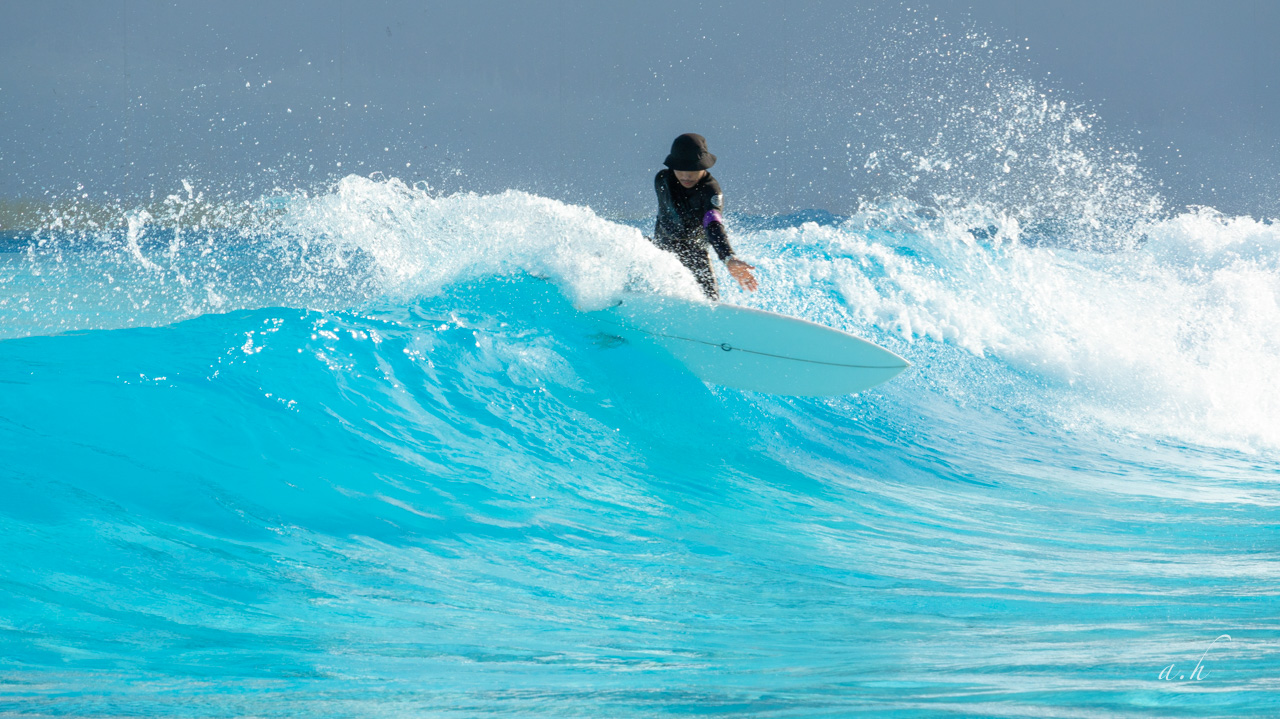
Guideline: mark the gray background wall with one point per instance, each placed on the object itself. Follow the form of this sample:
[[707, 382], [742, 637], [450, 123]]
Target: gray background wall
[[579, 100]]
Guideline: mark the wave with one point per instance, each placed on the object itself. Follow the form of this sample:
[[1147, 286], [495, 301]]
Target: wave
[[416, 493], [1162, 338], [396, 455]]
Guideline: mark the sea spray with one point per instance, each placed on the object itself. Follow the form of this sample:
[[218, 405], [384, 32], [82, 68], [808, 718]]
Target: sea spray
[[419, 244]]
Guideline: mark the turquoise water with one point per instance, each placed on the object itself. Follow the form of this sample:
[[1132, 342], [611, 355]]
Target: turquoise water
[[372, 457]]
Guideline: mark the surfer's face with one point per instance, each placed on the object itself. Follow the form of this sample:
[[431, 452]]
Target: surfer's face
[[689, 178]]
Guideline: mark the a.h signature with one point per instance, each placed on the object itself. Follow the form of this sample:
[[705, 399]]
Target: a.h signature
[[1167, 674]]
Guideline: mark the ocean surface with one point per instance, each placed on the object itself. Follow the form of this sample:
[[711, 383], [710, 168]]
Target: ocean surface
[[366, 452]]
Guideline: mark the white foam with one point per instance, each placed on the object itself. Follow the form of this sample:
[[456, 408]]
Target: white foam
[[1176, 337], [421, 244]]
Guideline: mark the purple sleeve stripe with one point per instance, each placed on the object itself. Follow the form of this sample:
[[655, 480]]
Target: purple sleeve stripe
[[711, 216]]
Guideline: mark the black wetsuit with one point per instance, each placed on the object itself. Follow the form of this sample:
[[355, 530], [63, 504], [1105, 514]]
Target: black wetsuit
[[689, 219]]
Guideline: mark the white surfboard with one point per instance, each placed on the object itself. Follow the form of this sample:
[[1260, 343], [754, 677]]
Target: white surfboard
[[753, 349]]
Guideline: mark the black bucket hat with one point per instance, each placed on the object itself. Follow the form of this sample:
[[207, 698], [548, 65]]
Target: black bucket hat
[[689, 153]]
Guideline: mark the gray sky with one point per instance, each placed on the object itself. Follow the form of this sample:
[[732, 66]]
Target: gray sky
[[579, 100]]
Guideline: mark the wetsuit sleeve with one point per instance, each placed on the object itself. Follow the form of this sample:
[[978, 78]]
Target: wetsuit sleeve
[[713, 221], [718, 238]]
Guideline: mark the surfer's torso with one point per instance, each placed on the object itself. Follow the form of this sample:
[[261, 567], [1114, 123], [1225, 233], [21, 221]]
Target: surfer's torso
[[690, 215]]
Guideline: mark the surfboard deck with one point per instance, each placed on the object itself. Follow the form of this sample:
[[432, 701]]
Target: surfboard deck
[[755, 350]]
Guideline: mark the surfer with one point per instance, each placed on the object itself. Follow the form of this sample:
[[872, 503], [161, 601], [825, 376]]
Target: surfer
[[689, 207]]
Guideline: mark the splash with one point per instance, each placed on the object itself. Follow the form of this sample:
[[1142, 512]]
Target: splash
[[949, 118]]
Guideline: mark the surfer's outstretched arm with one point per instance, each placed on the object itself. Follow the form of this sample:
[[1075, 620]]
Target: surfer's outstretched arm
[[719, 239]]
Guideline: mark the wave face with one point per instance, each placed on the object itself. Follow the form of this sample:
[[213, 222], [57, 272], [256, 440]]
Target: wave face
[[370, 454]]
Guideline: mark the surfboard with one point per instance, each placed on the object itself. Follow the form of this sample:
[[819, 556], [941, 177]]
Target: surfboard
[[755, 350]]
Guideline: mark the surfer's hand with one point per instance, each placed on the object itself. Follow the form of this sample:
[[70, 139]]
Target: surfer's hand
[[741, 272]]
